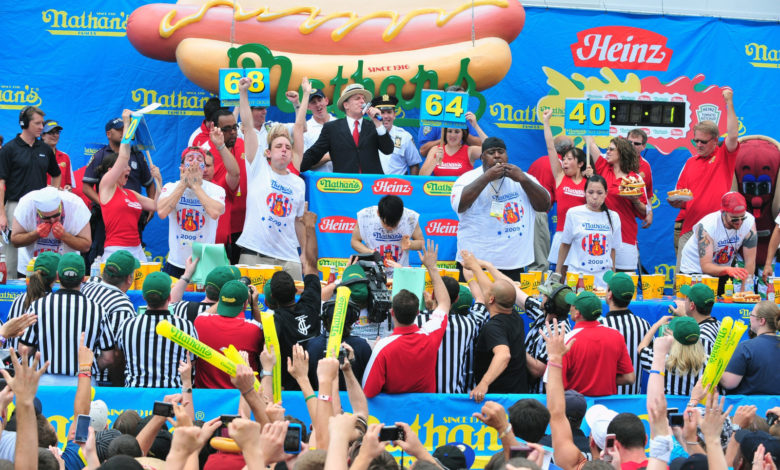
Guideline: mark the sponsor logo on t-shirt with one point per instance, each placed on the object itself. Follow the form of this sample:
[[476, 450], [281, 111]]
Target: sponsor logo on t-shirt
[[190, 220], [395, 186], [723, 256], [337, 224], [276, 186], [442, 227], [279, 204], [573, 192], [133, 204], [595, 244], [513, 212]]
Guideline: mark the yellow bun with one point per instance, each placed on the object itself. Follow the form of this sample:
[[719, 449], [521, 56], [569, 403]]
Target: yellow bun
[[201, 59], [680, 192], [225, 444]]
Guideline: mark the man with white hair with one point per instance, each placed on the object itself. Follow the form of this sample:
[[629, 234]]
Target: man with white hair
[[49, 220]]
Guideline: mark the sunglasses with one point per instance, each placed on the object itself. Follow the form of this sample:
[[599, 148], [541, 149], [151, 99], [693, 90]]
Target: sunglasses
[[234, 127], [637, 144], [49, 217], [700, 141], [737, 219], [611, 149]]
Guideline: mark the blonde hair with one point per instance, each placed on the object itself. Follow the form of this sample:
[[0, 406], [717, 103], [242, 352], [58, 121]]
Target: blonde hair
[[684, 359], [707, 126], [278, 130], [770, 312]]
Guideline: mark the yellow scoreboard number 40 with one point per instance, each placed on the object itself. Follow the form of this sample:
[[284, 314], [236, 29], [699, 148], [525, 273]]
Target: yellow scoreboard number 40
[[586, 117]]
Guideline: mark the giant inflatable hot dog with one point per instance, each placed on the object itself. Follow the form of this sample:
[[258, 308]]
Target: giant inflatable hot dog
[[319, 36]]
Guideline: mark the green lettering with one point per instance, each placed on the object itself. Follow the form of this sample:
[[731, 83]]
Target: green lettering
[[267, 59]]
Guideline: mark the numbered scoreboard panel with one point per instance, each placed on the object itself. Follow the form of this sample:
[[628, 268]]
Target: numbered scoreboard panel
[[259, 92], [661, 115], [443, 109]]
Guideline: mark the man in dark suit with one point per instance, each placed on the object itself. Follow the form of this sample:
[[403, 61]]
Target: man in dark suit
[[353, 143]]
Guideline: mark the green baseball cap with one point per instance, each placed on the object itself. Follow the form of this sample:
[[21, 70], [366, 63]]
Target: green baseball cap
[[351, 278], [700, 294], [158, 283], [220, 275], [232, 298], [685, 330], [463, 302], [620, 284], [47, 263], [236, 272], [587, 303], [71, 266], [123, 262], [559, 300]]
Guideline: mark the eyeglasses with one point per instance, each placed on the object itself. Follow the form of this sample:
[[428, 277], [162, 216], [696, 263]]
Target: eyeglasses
[[49, 217], [611, 149], [234, 127], [701, 141], [734, 220], [637, 144], [495, 151]]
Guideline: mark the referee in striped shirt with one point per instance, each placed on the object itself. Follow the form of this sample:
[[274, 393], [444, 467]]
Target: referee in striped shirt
[[190, 309], [152, 360], [620, 291], [698, 303], [455, 360], [62, 317], [111, 295], [688, 354]]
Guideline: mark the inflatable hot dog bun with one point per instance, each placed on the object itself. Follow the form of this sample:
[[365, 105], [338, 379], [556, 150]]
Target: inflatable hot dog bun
[[392, 38]]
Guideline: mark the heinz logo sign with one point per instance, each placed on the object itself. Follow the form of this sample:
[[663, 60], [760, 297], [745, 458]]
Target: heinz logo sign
[[621, 47], [442, 227], [395, 186], [337, 224]]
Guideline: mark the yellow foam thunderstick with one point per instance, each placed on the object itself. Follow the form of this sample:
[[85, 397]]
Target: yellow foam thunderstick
[[337, 325], [271, 339], [198, 348], [729, 334]]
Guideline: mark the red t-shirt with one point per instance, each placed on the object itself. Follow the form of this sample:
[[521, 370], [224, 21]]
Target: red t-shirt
[[568, 194], [647, 176], [220, 332], [63, 160], [596, 358], [121, 216], [540, 169], [232, 221], [79, 185], [622, 205], [708, 178], [455, 164]]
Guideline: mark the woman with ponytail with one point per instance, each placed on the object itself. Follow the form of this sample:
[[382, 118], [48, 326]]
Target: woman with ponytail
[[39, 285], [590, 235], [686, 359]]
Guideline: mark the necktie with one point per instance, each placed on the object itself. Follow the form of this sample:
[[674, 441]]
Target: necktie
[[356, 133]]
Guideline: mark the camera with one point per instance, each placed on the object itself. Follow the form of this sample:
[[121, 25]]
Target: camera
[[5, 359], [379, 297], [163, 409], [227, 419], [391, 433]]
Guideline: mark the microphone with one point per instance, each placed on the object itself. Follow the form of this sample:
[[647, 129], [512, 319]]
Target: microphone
[[365, 110]]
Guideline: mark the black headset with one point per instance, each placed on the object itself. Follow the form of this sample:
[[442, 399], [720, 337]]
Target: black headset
[[353, 311], [24, 117], [549, 305]]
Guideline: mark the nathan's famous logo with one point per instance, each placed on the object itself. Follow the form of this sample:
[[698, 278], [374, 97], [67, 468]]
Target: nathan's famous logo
[[18, 96], [513, 212], [595, 244], [398, 46], [337, 224], [190, 220], [85, 23], [176, 103], [442, 227], [438, 188], [724, 255], [279, 204], [701, 101], [510, 118], [621, 47], [190, 343], [762, 56], [395, 186], [339, 185], [333, 263]]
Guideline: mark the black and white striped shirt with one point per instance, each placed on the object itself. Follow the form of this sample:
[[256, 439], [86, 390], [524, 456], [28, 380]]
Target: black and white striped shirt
[[534, 341], [188, 309], [709, 331], [152, 360], [62, 317], [633, 329], [674, 384], [455, 359], [116, 305]]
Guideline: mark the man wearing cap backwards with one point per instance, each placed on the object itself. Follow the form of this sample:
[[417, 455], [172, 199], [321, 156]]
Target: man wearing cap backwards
[[151, 360], [405, 158], [193, 207], [495, 205], [63, 316], [620, 291], [51, 136], [697, 304], [717, 238], [228, 326], [110, 293], [354, 143], [598, 360], [49, 220], [24, 162]]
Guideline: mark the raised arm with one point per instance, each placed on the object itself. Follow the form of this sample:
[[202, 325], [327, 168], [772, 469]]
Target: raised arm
[[110, 179], [472, 119], [311, 250], [552, 154], [232, 170], [732, 123], [429, 256], [247, 122], [300, 124]]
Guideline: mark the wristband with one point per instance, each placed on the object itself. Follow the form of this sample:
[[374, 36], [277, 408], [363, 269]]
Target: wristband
[[661, 447], [265, 373], [186, 390], [85, 374], [661, 373], [692, 443], [185, 279], [506, 431], [3, 340], [219, 149], [313, 395], [554, 364], [324, 397], [468, 281], [248, 390]]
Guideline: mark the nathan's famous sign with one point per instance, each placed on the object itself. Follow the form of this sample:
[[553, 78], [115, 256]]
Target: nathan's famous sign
[[381, 45]]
